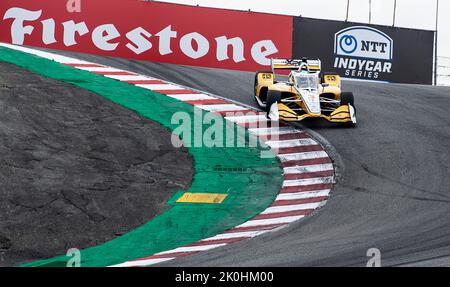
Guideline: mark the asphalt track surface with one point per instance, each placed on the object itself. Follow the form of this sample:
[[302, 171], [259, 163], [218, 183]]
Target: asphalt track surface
[[76, 170], [393, 190]]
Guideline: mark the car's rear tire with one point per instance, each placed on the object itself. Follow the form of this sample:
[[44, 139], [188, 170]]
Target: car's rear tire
[[273, 97]]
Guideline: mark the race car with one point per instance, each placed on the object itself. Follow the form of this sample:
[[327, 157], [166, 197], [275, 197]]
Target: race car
[[307, 93]]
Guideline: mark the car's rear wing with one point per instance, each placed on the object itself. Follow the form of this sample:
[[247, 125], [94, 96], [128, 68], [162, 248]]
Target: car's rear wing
[[294, 64]]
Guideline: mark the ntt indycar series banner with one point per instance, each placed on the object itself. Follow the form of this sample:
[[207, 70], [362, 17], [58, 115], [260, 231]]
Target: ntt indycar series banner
[[366, 52], [150, 31], [363, 52]]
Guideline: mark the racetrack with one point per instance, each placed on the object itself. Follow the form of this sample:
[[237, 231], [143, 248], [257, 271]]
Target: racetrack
[[393, 192]]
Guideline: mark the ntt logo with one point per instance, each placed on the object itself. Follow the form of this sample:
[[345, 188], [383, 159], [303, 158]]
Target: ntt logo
[[348, 44], [363, 42]]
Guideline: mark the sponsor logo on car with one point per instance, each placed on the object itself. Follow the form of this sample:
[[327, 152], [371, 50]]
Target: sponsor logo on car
[[363, 52]]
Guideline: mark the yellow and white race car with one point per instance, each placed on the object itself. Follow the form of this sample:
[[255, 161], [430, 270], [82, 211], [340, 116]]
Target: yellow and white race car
[[306, 94]]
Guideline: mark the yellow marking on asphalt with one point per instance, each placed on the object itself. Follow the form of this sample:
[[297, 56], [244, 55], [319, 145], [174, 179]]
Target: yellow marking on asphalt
[[190, 197]]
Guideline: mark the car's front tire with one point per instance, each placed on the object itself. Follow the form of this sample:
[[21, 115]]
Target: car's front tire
[[347, 99], [273, 98], [262, 97]]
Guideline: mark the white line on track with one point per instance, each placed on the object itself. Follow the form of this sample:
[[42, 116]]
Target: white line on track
[[99, 69], [248, 234], [221, 107], [303, 195], [275, 131], [278, 220], [308, 181], [247, 118], [191, 97], [192, 248], [162, 87], [308, 168], [146, 262], [291, 143], [286, 208], [302, 156], [125, 78]]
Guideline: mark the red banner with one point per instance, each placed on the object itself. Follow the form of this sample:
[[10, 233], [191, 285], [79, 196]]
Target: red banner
[[150, 31]]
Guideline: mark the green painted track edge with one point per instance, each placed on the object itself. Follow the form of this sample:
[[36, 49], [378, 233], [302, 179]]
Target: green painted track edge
[[250, 191]]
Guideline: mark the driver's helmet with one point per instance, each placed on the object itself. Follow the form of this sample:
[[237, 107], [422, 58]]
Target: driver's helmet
[[304, 68]]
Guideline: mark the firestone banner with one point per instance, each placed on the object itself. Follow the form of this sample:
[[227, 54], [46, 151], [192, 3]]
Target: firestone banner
[[150, 31]]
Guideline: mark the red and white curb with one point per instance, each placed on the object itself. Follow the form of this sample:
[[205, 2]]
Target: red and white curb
[[308, 170]]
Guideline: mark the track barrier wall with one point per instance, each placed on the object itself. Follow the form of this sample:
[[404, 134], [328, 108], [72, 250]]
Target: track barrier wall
[[150, 31], [219, 38]]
